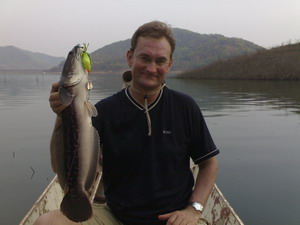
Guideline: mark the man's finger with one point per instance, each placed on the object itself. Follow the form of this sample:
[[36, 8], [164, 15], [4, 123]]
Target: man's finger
[[54, 87], [165, 216], [54, 100]]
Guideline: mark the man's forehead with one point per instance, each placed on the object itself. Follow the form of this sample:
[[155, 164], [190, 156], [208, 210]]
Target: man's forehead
[[157, 46]]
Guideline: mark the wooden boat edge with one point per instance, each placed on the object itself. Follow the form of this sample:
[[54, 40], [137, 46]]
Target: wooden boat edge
[[41, 205], [217, 209]]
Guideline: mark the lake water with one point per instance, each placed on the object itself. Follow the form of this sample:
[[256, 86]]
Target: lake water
[[256, 125]]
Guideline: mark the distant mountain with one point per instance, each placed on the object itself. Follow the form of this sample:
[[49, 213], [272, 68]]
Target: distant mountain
[[13, 58], [111, 57], [280, 63], [193, 50]]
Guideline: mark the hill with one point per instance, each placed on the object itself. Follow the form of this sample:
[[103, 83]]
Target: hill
[[192, 51], [280, 63], [13, 58], [195, 50]]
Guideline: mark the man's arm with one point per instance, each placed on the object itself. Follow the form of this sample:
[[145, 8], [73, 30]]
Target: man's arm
[[205, 180], [203, 186]]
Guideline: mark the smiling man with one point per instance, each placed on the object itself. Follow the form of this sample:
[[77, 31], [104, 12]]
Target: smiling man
[[149, 132], [150, 61]]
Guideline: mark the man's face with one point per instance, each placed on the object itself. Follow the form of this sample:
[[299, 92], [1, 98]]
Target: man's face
[[149, 63]]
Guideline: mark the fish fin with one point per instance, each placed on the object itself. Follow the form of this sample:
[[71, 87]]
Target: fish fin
[[57, 152], [76, 206], [65, 96], [91, 109], [94, 159]]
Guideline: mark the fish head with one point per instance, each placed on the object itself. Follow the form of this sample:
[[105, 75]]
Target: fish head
[[73, 70]]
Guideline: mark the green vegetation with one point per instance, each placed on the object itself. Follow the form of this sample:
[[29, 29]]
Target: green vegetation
[[280, 63]]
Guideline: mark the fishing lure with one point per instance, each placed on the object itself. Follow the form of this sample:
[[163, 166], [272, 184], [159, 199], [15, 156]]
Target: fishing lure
[[86, 58]]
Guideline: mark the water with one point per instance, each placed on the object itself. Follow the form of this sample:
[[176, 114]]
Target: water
[[256, 125]]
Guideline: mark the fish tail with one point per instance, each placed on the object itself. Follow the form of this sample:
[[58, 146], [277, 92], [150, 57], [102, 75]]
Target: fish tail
[[76, 206]]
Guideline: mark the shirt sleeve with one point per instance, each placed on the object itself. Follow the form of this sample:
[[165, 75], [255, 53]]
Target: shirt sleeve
[[201, 145]]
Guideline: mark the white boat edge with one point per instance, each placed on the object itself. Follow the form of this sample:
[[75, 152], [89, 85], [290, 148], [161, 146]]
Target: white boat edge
[[217, 209]]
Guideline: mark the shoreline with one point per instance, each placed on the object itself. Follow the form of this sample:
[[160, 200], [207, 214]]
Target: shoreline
[[172, 74]]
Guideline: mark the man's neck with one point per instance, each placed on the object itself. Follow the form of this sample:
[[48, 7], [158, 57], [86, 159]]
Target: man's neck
[[140, 96]]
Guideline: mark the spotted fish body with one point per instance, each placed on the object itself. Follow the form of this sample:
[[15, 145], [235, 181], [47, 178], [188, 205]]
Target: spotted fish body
[[75, 142]]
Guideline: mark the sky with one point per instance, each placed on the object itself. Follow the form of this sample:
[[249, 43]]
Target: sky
[[53, 27]]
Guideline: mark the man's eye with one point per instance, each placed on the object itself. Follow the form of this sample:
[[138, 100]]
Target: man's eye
[[158, 61], [161, 61], [144, 59]]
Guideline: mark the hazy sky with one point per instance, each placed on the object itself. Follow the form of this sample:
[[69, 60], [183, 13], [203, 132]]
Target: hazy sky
[[55, 26]]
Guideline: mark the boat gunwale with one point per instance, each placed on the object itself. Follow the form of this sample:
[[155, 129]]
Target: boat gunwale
[[236, 216], [38, 201], [217, 200]]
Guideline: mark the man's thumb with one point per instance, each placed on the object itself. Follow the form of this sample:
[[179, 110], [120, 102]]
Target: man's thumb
[[165, 216]]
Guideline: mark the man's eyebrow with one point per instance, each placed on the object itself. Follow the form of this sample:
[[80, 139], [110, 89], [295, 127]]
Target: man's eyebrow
[[159, 58], [143, 54], [162, 57]]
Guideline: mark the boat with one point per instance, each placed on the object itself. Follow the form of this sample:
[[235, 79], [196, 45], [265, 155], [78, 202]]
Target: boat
[[217, 209]]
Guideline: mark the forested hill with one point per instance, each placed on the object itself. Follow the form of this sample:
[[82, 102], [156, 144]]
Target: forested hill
[[192, 51], [195, 50], [280, 63], [13, 58]]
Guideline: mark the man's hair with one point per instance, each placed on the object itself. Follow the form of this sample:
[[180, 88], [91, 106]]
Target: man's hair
[[154, 29]]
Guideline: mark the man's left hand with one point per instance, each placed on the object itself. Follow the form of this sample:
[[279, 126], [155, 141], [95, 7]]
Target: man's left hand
[[186, 216]]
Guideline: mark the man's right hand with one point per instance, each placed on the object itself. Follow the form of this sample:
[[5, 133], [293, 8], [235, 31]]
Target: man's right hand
[[55, 103]]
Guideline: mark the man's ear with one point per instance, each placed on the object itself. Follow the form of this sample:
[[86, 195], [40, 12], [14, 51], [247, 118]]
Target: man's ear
[[129, 56], [170, 64]]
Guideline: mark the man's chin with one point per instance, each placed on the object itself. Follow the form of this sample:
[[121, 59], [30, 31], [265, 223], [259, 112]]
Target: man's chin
[[150, 86]]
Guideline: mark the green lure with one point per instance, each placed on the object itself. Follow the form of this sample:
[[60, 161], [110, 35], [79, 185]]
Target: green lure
[[86, 58]]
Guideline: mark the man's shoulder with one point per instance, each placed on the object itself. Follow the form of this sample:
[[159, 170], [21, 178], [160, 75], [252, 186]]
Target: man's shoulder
[[111, 100], [180, 96]]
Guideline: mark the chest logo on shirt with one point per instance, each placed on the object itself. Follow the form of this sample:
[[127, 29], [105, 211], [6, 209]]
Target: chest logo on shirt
[[167, 132]]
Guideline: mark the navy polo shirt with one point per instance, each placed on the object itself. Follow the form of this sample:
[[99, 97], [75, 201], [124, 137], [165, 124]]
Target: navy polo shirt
[[146, 176]]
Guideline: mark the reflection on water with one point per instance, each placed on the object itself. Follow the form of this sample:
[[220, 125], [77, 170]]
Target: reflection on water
[[105, 85], [19, 90], [256, 125], [234, 94]]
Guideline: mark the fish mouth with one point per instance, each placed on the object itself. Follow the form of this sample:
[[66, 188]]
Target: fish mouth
[[76, 52], [73, 60]]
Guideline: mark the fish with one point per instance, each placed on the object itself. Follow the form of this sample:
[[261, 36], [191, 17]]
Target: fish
[[75, 143]]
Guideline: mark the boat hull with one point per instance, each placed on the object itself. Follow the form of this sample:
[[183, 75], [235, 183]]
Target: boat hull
[[217, 209]]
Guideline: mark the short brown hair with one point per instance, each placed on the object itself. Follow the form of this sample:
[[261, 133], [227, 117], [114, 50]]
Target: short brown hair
[[154, 29]]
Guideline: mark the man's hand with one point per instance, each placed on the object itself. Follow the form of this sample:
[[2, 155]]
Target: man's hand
[[187, 216], [55, 103]]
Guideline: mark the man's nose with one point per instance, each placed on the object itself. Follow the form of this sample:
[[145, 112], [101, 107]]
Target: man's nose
[[151, 67]]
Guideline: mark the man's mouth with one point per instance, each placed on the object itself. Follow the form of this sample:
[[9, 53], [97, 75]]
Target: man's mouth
[[150, 74]]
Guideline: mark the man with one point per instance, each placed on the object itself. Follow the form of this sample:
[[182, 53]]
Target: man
[[149, 132]]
